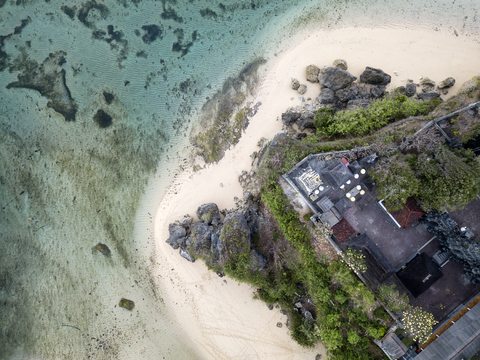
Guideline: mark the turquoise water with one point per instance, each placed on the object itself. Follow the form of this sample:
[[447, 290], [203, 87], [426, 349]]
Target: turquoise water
[[67, 185]]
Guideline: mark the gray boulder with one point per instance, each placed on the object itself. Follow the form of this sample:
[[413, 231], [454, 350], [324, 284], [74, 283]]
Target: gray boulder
[[209, 213], [340, 63], [346, 94], [176, 232], [295, 84], [410, 89], [307, 121], [447, 83], [375, 76], [289, 118], [199, 240], [186, 222], [431, 95], [326, 96], [302, 89], [217, 246], [186, 255], [335, 78], [377, 90], [257, 261], [312, 73]]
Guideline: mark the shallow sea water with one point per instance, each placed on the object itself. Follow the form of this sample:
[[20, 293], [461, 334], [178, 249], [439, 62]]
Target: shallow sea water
[[67, 185]]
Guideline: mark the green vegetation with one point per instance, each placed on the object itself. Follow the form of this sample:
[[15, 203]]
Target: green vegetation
[[445, 179], [361, 122], [391, 298]]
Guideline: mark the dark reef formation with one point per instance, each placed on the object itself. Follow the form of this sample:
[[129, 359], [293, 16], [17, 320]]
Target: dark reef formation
[[102, 119], [49, 80]]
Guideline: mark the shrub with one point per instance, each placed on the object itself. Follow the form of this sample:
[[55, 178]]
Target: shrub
[[323, 118], [381, 314], [361, 121]]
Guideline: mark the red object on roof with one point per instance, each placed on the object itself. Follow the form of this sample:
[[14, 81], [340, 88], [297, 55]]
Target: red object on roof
[[410, 213], [343, 230], [345, 162]]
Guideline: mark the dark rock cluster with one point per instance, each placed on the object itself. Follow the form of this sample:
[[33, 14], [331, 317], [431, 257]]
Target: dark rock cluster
[[215, 241], [341, 90]]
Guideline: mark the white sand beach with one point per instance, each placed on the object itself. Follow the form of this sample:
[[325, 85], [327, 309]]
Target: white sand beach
[[218, 315]]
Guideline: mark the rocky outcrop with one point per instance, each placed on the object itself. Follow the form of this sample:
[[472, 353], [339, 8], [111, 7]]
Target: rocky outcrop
[[312, 72], [340, 63], [375, 76], [209, 214], [335, 78], [447, 83], [302, 89], [290, 117]]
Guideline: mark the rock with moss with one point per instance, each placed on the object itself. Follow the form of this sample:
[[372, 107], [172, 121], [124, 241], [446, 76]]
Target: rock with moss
[[340, 63], [257, 261], [447, 83], [103, 249], [427, 84], [312, 73], [302, 89], [126, 304], [199, 241], [235, 234], [335, 78], [375, 76], [209, 213], [295, 84]]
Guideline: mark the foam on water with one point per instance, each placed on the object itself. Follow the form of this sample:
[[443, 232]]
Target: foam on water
[[81, 184]]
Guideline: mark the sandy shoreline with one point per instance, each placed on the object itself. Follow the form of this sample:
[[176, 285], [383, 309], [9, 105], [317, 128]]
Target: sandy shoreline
[[217, 315]]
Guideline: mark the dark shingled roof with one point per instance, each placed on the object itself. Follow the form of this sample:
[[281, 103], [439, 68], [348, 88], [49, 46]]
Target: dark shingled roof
[[419, 274], [378, 267]]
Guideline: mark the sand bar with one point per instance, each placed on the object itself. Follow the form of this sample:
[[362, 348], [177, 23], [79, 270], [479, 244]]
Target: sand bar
[[217, 314]]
